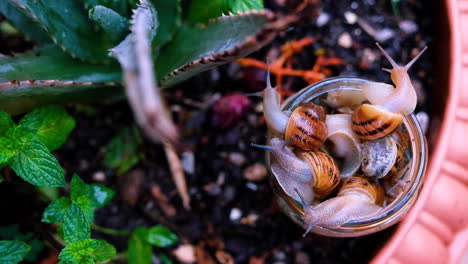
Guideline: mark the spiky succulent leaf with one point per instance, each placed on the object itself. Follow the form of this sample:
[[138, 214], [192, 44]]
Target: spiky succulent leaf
[[198, 48], [169, 13], [68, 25], [115, 25]]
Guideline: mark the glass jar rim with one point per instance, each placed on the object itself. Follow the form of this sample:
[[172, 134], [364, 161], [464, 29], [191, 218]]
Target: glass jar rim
[[418, 163]]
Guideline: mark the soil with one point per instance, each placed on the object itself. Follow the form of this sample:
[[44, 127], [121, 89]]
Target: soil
[[218, 189]]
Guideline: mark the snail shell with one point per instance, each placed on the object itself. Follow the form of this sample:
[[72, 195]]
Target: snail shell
[[359, 197], [379, 156], [306, 127], [375, 121], [326, 176], [342, 143]]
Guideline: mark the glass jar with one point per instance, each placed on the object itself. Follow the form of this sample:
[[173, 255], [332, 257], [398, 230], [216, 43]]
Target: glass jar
[[392, 212]]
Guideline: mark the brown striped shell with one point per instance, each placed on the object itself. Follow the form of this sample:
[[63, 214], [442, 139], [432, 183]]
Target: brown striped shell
[[373, 122], [306, 127], [325, 173], [363, 185]]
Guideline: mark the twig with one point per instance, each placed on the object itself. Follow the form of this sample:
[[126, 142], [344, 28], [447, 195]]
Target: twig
[[177, 174]]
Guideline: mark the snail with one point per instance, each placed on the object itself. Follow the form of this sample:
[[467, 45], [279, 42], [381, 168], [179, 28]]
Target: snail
[[343, 143], [372, 121], [310, 171], [358, 197], [379, 156], [305, 126]]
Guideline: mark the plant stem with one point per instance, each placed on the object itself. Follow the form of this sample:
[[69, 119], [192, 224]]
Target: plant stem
[[110, 231]]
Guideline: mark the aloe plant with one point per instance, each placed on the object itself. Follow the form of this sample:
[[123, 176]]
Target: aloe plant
[[158, 43]]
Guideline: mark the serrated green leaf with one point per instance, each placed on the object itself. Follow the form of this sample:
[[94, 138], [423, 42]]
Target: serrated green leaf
[[12, 252], [182, 58], [169, 16], [51, 63], [12, 232], [87, 251], [68, 24], [32, 160], [82, 195], [5, 123], [139, 250], [7, 150], [51, 123], [55, 211], [101, 194], [113, 24], [201, 11], [122, 151], [120, 6], [24, 23], [161, 236], [75, 227]]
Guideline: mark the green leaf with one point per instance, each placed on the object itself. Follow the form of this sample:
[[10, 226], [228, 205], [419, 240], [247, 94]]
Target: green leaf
[[32, 160], [164, 259], [75, 227], [12, 232], [101, 194], [5, 123], [87, 251], [7, 150], [12, 252], [169, 16], [89, 197], [245, 5], [67, 23], [202, 10], [55, 211], [49, 193], [51, 63], [161, 236], [24, 23], [198, 48], [120, 6], [51, 123], [122, 152], [139, 250], [82, 195], [115, 26]]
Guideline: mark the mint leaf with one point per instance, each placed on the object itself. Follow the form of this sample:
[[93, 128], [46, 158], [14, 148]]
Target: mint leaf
[[87, 251], [82, 195], [51, 123], [75, 227], [139, 250], [54, 213], [12, 232], [122, 151], [6, 150], [161, 236], [33, 161], [5, 122], [101, 194], [12, 252]]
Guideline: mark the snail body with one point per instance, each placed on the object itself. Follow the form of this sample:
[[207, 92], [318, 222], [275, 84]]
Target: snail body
[[357, 198], [313, 173], [375, 121], [305, 126]]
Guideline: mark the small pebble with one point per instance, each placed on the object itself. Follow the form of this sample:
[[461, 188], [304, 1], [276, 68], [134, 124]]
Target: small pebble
[[351, 18], [384, 35], [99, 176], [322, 19], [235, 214], [345, 40], [302, 258], [256, 172], [236, 158], [251, 219], [252, 186], [185, 254], [188, 162], [408, 26]]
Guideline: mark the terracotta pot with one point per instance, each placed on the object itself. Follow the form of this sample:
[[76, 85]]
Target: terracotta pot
[[436, 229]]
